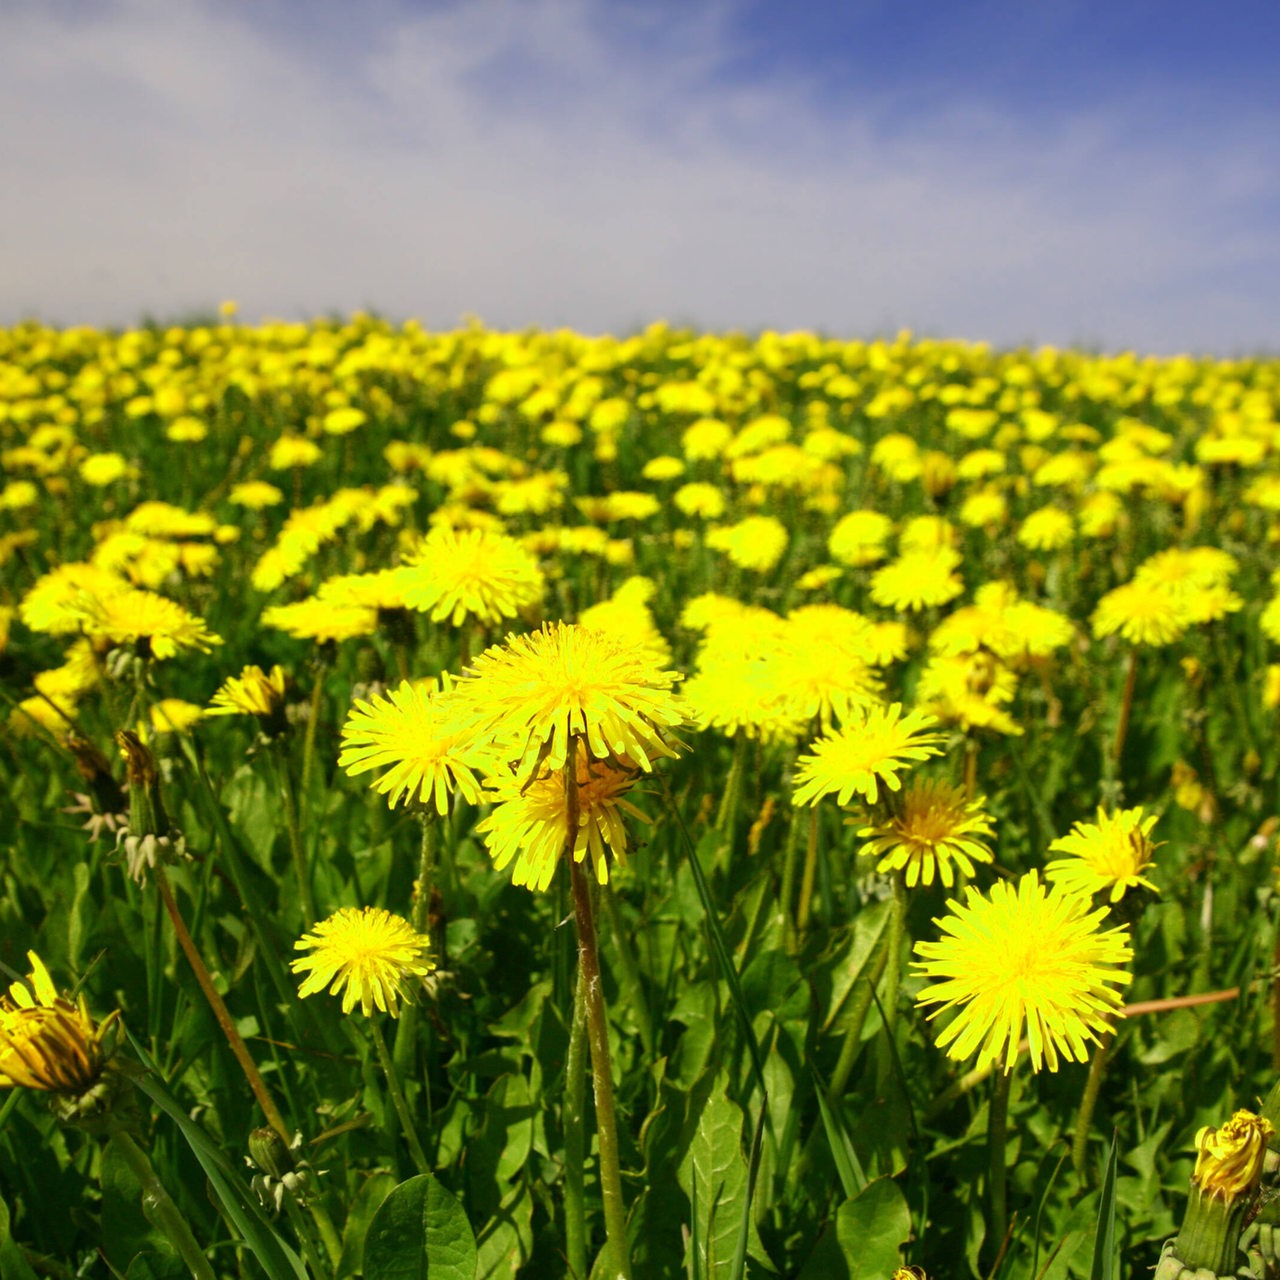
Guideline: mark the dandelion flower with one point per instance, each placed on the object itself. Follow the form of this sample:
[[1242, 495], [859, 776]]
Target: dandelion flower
[[936, 829], [866, 752], [529, 823], [536, 692], [253, 692], [415, 731], [918, 580], [756, 543], [367, 954], [48, 1041], [1229, 1158], [461, 573], [1108, 856], [1025, 957], [321, 620], [158, 627], [1145, 613]]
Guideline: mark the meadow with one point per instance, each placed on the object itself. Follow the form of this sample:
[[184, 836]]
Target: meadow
[[481, 804]]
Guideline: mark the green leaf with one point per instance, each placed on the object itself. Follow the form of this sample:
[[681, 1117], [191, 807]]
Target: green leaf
[[13, 1263], [849, 1168], [239, 1207], [77, 925], [714, 1171], [420, 1233], [1103, 1266], [376, 1188], [866, 1238], [506, 1240]]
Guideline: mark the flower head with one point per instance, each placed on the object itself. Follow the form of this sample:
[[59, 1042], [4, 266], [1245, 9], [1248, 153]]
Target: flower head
[[1108, 856], [158, 627], [321, 620], [416, 731], [869, 750], [529, 823], [1144, 612], [462, 573], [536, 692], [1025, 956], [48, 1041], [935, 829], [918, 579], [252, 693], [367, 954], [1229, 1158]]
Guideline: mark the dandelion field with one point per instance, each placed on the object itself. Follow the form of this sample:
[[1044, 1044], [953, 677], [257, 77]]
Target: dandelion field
[[482, 804]]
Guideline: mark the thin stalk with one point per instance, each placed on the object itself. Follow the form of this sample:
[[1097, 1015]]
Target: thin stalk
[[628, 970], [1275, 999], [313, 720], [893, 961], [615, 1211], [426, 871], [997, 1170], [790, 867], [290, 801], [1126, 707], [575, 1137], [220, 1012], [970, 768], [1089, 1101], [727, 817], [810, 868], [397, 1097], [161, 1208]]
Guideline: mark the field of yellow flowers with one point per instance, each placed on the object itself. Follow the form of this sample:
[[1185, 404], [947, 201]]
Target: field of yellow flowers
[[484, 804]]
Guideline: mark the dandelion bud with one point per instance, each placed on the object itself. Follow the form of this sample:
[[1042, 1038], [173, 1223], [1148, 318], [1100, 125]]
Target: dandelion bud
[[1224, 1185], [149, 839]]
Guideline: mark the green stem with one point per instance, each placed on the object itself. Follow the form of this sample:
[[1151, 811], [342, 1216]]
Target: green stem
[[220, 1012], [789, 869], [313, 721], [893, 961], [1126, 708], [727, 817], [1089, 1101], [810, 868], [615, 1212], [159, 1206], [299, 858], [426, 871], [575, 1141], [397, 1097], [997, 1170]]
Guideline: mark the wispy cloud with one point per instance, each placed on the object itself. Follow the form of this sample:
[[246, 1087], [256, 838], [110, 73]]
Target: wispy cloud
[[590, 163]]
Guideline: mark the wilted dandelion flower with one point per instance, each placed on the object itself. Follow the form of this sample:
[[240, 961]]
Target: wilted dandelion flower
[[1108, 856], [1025, 957], [933, 830], [1229, 1158], [529, 822], [1145, 613], [456, 574], [865, 753], [366, 954], [415, 730], [158, 627], [48, 1041], [536, 692]]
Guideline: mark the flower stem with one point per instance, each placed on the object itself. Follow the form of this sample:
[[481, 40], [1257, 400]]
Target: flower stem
[[727, 816], [160, 1207], [1126, 707], [575, 1142], [426, 871], [290, 800], [397, 1097], [893, 961], [220, 1011], [1089, 1100], [810, 868], [997, 1170], [313, 720], [789, 868], [615, 1213]]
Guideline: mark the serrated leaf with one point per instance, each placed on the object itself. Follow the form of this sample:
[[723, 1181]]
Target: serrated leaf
[[420, 1233]]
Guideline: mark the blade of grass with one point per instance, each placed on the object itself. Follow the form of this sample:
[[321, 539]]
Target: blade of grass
[[1103, 1266], [753, 1168], [848, 1167]]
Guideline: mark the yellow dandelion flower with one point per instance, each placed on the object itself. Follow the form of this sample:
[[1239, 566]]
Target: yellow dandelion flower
[[918, 580], [529, 822], [156, 626], [1142, 612], [366, 954], [935, 829], [462, 573], [49, 1041], [170, 715], [705, 501], [255, 495], [321, 620], [253, 692], [51, 604], [416, 731], [756, 543], [1108, 856], [1229, 1158], [1048, 529], [292, 451], [1023, 958], [536, 692], [866, 752], [859, 538]]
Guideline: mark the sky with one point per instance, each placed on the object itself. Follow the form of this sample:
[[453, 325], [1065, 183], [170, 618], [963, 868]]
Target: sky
[[1096, 173]]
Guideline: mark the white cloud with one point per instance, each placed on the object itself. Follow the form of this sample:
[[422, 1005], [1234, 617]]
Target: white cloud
[[577, 162]]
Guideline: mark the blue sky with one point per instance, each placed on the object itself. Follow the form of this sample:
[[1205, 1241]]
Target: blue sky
[[1067, 172]]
